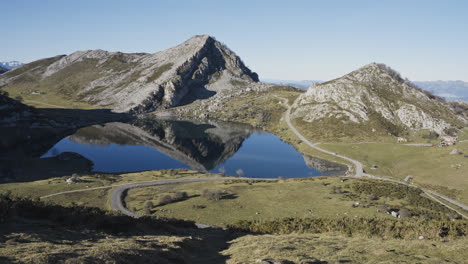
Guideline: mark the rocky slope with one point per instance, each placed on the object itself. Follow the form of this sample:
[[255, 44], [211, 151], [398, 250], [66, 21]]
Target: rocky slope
[[138, 82], [375, 94]]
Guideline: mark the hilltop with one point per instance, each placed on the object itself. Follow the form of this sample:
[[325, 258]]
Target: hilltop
[[376, 99], [133, 82]]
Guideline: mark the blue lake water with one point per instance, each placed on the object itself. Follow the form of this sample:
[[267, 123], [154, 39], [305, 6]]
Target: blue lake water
[[260, 155]]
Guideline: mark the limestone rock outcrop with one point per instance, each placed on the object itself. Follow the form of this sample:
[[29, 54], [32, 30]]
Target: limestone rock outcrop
[[375, 92]]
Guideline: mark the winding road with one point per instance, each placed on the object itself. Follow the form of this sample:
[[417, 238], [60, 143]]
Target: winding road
[[359, 168], [357, 165], [118, 194]]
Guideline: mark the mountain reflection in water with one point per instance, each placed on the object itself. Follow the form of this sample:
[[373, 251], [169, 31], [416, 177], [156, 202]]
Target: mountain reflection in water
[[212, 147]]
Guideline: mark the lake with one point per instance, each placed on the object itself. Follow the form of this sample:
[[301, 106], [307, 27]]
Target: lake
[[212, 147]]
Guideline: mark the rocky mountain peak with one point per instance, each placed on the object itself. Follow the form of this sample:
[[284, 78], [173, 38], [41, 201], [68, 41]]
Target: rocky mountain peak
[[375, 92], [196, 69], [371, 73]]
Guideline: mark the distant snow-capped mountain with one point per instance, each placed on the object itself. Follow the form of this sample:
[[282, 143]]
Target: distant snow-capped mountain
[[10, 64]]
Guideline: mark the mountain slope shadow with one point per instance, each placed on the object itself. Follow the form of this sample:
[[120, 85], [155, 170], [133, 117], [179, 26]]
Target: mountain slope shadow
[[27, 133], [84, 233]]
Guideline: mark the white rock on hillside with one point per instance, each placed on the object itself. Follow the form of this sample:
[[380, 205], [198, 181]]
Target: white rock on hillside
[[373, 88]]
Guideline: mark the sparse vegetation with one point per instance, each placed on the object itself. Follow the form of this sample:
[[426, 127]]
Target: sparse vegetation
[[399, 161], [231, 201], [93, 198], [179, 196], [259, 109], [165, 199], [74, 216], [213, 195], [431, 135], [159, 71], [459, 108], [338, 248], [397, 76], [39, 233], [149, 205], [61, 88], [422, 206], [370, 227], [404, 213]]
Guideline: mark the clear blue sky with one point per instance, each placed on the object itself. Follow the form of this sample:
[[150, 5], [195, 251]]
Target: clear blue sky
[[424, 40]]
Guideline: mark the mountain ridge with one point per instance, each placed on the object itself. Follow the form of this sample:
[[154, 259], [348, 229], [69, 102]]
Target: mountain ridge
[[136, 82]]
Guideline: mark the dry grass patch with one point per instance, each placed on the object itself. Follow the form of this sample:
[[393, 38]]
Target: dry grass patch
[[336, 248]]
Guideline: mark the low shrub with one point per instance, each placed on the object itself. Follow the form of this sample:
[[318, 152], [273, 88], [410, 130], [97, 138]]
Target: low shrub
[[413, 196], [179, 196], [149, 204], [90, 218], [165, 199], [381, 227], [213, 195], [336, 190], [431, 135]]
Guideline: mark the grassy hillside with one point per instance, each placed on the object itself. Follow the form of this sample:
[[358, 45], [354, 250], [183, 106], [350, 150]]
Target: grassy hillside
[[93, 198], [430, 166], [61, 88], [338, 248], [224, 203], [34, 232], [260, 108]]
